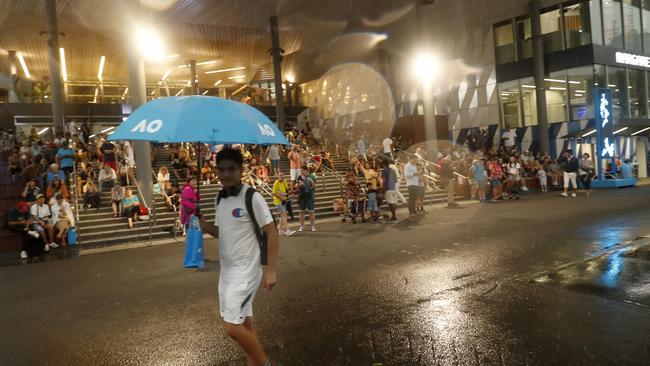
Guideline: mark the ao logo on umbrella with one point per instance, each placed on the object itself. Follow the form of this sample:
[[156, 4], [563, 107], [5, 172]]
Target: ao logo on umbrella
[[149, 127], [266, 130]]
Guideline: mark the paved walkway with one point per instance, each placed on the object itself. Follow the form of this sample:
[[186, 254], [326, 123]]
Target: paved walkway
[[459, 286]]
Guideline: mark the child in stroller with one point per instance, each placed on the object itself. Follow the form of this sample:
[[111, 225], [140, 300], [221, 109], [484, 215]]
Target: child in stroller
[[356, 202]]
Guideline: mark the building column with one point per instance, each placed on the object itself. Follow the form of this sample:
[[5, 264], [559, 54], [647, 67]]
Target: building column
[[13, 75], [55, 65], [428, 103], [194, 79], [276, 52], [141, 149], [288, 90], [538, 69]]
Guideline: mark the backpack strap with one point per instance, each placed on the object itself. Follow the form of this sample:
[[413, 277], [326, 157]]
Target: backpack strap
[[262, 240]]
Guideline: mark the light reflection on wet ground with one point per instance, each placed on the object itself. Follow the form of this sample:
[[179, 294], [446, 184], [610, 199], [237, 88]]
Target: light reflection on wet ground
[[622, 274]]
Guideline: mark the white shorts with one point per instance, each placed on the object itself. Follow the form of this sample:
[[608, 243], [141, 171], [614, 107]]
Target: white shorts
[[236, 299], [391, 197], [295, 173]]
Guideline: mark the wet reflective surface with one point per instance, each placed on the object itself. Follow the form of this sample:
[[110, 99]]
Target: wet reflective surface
[[456, 287]]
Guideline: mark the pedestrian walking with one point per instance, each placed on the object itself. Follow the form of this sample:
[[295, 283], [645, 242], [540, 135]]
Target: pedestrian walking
[[280, 198], [569, 165], [412, 183], [243, 224], [306, 186]]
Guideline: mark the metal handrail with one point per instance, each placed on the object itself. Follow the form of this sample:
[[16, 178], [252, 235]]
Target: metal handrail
[[328, 169], [265, 186], [420, 158]]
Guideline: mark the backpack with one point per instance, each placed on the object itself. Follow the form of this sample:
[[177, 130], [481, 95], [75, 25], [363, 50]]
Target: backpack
[[262, 239]]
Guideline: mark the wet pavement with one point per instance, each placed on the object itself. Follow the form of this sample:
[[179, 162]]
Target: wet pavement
[[541, 281]]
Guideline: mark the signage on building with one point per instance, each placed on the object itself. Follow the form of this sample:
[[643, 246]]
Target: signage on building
[[605, 146], [632, 59]]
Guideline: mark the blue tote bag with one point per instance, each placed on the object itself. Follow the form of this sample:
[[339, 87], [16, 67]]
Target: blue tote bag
[[194, 245], [72, 236]]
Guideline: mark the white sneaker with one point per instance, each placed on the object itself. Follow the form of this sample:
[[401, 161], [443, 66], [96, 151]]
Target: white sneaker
[[47, 247], [564, 194], [300, 229], [573, 195], [23, 255], [33, 234], [289, 232], [313, 229], [54, 245]]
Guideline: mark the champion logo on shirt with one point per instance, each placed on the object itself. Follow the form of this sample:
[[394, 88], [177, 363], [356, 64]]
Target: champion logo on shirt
[[238, 213]]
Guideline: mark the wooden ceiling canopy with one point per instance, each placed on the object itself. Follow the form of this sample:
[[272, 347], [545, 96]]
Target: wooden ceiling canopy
[[232, 33]]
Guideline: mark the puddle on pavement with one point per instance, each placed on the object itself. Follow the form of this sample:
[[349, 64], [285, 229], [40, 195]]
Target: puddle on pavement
[[622, 275]]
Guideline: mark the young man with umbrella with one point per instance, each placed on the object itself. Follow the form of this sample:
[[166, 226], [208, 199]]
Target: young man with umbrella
[[240, 254]]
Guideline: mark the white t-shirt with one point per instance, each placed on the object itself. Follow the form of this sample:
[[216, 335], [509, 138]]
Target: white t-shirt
[[513, 169], [163, 177], [316, 132], [40, 211], [239, 252], [56, 212], [510, 137], [387, 143]]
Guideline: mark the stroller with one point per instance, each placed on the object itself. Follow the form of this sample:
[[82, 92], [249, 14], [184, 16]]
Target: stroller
[[356, 203]]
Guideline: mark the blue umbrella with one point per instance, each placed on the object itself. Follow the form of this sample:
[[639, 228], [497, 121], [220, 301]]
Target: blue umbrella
[[198, 118]]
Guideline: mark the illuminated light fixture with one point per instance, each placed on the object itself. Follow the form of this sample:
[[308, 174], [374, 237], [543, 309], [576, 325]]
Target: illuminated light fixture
[[126, 90], [24, 65], [589, 133], [169, 71], [424, 66], [555, 80], [205, 92], [580, 91], [528, 86], [64, 70], [149, 43], [236, 77], [556, 88], [182, 66], [218, 82], [621, 130], [611, 85], [42, 131], [206, 63], [574, 82], [179, 92], [641, 131], [226, 70], [153, 92], [579, 95], [110, 133], [91, 136], [107, 129], [102, 60], [291, 77]]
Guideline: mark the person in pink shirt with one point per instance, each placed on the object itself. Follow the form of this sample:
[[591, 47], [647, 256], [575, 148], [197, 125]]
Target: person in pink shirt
[[189, 199]]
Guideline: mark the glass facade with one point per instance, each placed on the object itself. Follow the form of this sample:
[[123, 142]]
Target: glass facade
[[621, 24], [617, 82], [632, 25], [510, 104], [555, 84], [504, 41], [524, 38], [528, 101], [577, 25], [580, 81], [551, 26], [637, 93], [613, 26]]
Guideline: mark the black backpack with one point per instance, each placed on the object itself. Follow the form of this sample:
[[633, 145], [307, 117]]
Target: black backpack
[[262, 239]]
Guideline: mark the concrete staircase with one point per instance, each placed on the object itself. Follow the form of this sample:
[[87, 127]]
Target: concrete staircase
[[97, 227]]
